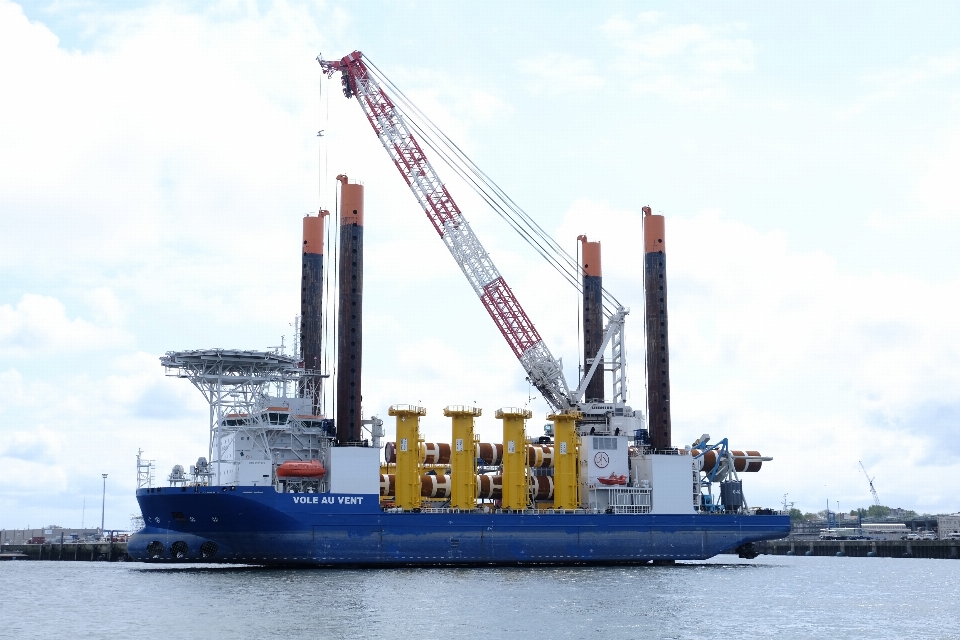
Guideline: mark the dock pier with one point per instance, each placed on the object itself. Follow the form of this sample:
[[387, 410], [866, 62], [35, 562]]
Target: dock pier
[[936, 549], [68, 551], [940, 549]]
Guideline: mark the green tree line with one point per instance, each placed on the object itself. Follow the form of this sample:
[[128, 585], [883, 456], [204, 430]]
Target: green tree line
[[874, 511]]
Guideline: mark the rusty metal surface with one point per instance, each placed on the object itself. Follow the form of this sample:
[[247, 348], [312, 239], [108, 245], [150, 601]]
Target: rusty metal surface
[[742, 465], [740, 462], [542, 487], [658, 353], [435, 486], [490, 453], [593, 335], [539, 455], [436, 453], [489, 487], [350, 338], [311, 307]]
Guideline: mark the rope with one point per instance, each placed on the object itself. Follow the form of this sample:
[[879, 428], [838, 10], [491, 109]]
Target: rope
[[326, 328]]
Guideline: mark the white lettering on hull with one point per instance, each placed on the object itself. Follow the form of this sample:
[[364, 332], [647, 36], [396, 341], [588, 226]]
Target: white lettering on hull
[[328, 499]]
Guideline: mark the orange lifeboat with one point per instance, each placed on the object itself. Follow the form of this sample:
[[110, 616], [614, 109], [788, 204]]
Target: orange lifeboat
[[613, 479], [294, 469]]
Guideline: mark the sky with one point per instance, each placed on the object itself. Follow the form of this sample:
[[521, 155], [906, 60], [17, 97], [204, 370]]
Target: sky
[[156, 160]]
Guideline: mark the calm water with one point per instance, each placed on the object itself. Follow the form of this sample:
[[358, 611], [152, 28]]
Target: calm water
[[782, 597]]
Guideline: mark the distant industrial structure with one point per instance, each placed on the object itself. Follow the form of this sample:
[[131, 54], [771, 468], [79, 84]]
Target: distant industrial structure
[[48, 534], [894, 527], [948, 526]]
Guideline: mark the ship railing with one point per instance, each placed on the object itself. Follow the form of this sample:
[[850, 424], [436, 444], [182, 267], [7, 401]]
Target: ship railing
[[531, 512], [631, 508], [538, 512]]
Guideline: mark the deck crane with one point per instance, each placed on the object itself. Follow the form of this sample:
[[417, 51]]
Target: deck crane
[[876, 499], [396, 132]]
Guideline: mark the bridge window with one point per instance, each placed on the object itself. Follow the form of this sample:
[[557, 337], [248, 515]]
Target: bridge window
[[609, 444]]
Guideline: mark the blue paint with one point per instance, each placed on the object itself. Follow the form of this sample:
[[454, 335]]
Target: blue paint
[[257, 525]]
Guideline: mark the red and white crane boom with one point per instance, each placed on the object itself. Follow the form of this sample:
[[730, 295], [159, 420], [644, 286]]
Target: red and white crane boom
[[396, 135]]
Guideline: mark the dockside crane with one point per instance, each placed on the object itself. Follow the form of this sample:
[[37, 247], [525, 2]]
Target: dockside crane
[[876, 499], [401, 136]]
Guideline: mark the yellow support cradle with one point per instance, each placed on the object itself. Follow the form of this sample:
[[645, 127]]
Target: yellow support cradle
[[463, 457], [516, 485], [409, 458], [566, 460]]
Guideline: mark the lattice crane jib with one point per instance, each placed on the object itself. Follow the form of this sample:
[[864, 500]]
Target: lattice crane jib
[[396, 135], [873, 492]]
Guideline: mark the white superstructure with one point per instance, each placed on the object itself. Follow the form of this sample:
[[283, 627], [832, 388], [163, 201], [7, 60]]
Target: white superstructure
[[261, 418]]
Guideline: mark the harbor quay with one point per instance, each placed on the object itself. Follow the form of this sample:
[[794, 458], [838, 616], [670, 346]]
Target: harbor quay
[[105, 551], [933, 549], [941, 549]]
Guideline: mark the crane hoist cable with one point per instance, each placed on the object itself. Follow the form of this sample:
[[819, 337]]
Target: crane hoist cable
[[455, 159], [401, 142]]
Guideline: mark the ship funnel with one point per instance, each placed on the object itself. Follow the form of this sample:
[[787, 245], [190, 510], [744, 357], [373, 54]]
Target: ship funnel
[[350, 317]]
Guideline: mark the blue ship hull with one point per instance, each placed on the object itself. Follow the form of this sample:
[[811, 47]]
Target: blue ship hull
[[257, 525]]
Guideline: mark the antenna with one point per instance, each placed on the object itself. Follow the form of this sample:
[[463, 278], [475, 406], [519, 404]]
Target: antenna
[[787, 505]]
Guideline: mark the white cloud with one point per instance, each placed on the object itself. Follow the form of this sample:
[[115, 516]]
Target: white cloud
[[902, 80], [11, 388], [27, 456], [37, 444], [39, 325], [938, 188], [113, 157], [107, 308], [23, 475], [650, 17], [72, 426], [552, 74], [686, 61]]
